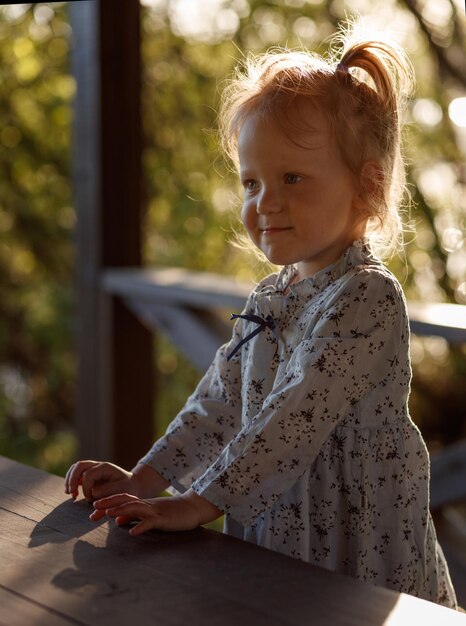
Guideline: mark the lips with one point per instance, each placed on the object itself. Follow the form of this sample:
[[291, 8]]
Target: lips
[[274, 229]]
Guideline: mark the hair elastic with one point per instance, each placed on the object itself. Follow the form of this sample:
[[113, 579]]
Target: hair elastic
[[342, 67]]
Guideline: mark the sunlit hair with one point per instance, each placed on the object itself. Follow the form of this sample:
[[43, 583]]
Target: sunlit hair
[[362, 95]]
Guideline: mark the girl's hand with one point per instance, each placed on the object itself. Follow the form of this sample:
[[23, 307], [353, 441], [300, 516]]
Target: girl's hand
[[174, 513], [98, 480]]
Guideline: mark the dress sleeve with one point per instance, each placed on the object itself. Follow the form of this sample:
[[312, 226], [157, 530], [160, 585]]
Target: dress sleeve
[[352, 349], [210, 418]]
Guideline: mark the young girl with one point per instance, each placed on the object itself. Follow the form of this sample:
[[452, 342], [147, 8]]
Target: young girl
[[299, 432]]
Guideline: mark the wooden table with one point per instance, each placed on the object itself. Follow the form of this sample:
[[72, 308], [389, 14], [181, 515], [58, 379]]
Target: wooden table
[[57, 567]]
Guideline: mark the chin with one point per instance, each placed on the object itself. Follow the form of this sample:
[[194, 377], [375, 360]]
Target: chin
[[280, 259]]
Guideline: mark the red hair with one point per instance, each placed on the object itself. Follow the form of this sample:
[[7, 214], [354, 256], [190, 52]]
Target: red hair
[[362, 96]]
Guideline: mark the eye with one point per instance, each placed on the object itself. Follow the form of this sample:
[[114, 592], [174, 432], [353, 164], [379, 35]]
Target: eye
[[250, 184], [292, 179]]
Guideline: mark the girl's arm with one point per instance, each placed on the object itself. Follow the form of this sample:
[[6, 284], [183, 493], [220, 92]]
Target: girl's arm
[[210, 418], [150, 482]]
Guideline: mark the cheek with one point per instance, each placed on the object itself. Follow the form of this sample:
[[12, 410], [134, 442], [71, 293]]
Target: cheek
[[248, 216]]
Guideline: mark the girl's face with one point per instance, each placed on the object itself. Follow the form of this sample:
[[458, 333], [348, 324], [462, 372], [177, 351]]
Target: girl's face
[[300, 202]]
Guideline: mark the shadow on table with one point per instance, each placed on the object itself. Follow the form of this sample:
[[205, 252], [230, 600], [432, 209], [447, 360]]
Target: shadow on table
[[94, 572], [196, 569], [68, 520]]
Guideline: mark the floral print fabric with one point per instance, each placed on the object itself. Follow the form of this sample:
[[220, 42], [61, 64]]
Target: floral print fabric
[[304, 438]]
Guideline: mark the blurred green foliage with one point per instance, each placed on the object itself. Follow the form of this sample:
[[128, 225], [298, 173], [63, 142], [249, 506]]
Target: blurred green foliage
[[37, 366], [192, 197]]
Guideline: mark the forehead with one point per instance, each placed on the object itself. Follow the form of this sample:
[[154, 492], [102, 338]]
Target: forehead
[[297, 130]]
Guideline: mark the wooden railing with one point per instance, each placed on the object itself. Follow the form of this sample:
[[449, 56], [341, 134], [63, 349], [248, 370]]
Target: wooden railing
[[184, 305]]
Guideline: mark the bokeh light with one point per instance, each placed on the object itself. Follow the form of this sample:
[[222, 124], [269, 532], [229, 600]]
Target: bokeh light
[[427, 112], [457, 112]]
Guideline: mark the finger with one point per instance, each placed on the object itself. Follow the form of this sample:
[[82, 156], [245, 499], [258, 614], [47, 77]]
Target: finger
[[123, 520], [95, 516], [68, 475], [74, 494], [133, 510], [149, 523], [114, 500], [67, 478], [101, 506], [74, 475]]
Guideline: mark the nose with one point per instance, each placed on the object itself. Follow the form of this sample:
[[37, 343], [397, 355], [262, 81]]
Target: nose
[[269, 201]]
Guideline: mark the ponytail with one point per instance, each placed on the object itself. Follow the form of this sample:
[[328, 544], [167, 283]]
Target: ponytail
[[387, 66]]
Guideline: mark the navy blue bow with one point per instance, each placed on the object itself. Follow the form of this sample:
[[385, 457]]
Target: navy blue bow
[[268, 322]]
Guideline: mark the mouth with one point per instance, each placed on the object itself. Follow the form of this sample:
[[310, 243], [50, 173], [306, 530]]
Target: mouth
[[272, 230]]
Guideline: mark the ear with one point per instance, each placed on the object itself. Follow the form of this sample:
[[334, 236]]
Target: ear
[[370, 182]]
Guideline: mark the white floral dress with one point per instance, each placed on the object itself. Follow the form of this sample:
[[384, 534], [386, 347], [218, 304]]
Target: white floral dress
[[303, 437]]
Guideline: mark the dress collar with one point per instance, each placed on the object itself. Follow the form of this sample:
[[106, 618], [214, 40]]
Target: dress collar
[[359, 253]]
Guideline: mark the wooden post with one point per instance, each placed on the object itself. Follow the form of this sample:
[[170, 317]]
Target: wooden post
[[115, 370]]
